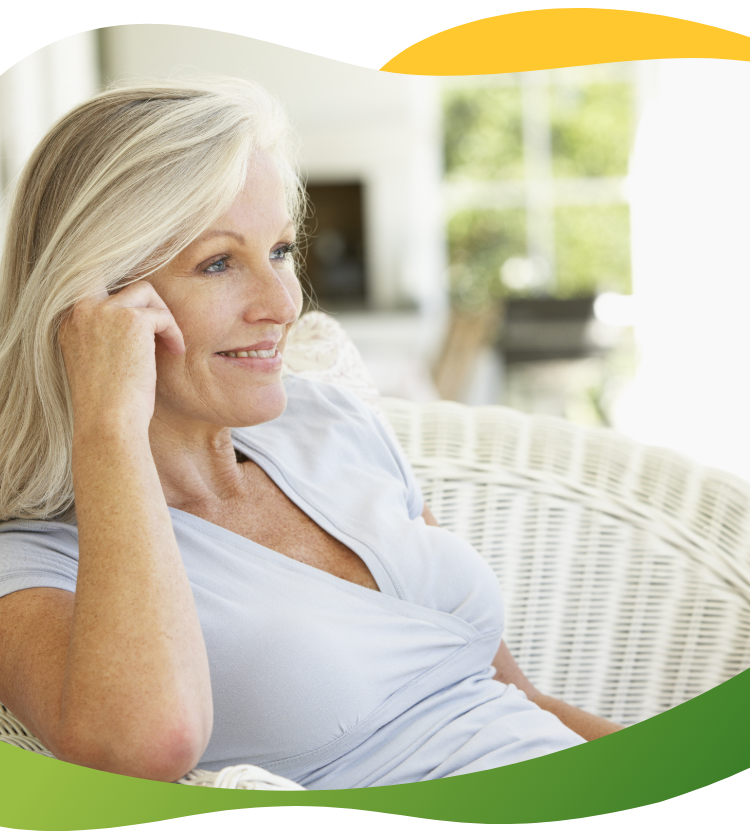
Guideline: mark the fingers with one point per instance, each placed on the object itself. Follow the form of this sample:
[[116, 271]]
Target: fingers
[[142, 295], [167, 329]]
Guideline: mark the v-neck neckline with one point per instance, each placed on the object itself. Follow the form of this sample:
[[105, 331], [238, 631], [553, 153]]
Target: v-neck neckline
[[363, 550]]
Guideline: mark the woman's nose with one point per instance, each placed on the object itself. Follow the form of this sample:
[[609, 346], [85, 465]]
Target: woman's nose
[[274, 296]]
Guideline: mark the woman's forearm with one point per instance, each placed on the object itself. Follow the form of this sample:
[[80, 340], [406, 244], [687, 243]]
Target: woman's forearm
[[589, 726], [137, 683]]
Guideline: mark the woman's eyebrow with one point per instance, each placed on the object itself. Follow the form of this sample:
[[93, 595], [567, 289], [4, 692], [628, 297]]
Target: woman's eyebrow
[[220, 233]]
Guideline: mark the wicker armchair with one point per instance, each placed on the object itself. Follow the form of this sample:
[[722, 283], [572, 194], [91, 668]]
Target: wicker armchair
[[625, 569]]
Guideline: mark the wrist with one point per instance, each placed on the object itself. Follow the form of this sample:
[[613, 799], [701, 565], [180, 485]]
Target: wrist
[[113, 467], [113, 425]]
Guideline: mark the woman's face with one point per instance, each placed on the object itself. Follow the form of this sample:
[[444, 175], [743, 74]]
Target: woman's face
[[233, 291]]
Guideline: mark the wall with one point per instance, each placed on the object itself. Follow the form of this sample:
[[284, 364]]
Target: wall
[[690, 210], [38, 90]]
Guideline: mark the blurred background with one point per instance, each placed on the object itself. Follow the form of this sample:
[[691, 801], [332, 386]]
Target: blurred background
[[571, 241]]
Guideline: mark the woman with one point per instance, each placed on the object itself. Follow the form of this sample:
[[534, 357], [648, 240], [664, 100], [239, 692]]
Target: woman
[[178, 592]]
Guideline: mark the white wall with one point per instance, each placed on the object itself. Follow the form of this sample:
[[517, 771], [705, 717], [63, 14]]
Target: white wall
[[38, 90], [354, 123], [690, 203]]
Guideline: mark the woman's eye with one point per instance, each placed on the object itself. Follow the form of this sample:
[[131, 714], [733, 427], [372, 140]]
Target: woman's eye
[[284, 252], [218, 266]]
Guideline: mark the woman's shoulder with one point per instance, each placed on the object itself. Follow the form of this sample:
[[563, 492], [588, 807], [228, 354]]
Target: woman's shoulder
[[324, 398], [327, 430]]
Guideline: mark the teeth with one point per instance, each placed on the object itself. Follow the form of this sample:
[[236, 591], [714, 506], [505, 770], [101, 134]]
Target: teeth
[[271, 352]]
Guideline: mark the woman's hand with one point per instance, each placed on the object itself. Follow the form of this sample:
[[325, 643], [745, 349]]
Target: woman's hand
[[108, 347]]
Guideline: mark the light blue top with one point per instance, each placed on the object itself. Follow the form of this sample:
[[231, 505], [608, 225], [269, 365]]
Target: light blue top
[[315, 678]]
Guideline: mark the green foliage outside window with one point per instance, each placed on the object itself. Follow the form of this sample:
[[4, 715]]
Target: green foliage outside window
[[592, 248], [483, 133], [480, 241], [591, 127], [591, 122]]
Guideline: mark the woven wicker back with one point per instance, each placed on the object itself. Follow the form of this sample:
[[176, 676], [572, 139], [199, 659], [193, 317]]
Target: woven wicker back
[[624, 568]]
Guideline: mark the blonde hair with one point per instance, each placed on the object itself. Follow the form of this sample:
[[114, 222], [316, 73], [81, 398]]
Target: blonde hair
[[112, 193]]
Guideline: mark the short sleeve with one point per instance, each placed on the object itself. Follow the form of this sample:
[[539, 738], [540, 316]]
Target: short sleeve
[[37, 554]]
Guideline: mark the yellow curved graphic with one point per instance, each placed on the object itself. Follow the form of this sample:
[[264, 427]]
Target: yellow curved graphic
[[548, 38]]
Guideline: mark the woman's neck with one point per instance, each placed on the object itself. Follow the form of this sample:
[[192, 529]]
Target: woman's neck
[[196, 462]]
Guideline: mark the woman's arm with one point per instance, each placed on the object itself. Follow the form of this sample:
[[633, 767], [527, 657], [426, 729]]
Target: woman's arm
[[587, 725], [116, 678]]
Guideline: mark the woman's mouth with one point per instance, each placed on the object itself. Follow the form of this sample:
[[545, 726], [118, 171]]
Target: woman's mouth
[[262, 356], [270, 352]]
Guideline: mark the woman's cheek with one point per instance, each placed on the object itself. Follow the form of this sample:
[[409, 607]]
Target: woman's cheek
[[296, 294]]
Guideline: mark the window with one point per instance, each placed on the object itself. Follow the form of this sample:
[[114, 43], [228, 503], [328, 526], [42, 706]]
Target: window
[[538, 224], [535, 168]]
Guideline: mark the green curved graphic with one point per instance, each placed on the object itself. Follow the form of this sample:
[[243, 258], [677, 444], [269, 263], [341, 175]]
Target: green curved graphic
[[696, 744]]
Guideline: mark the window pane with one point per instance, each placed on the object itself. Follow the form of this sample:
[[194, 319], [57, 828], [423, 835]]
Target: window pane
[[592, 128], [592, 246], [482, 130], [480, 242]]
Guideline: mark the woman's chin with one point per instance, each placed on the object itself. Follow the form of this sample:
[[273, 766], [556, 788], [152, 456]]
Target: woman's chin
[[266, 405], [224, 406]]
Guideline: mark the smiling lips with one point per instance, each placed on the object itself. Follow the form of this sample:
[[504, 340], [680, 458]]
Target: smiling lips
[[264, 350], [270, 352]]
